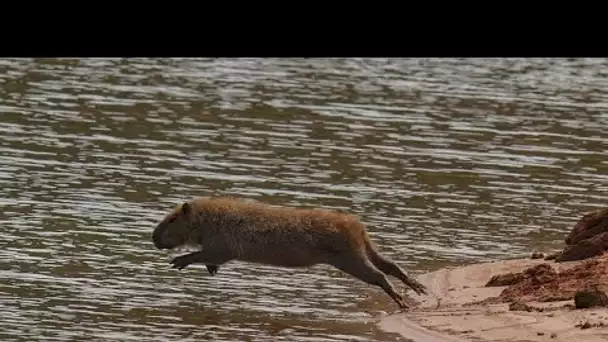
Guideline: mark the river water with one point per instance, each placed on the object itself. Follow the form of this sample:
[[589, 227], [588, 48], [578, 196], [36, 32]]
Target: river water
[[447, 161]]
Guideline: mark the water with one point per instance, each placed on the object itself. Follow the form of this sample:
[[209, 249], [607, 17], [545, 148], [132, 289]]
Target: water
[[447, 162]]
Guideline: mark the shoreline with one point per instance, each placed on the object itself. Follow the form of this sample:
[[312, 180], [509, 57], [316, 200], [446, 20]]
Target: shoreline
[[457, 309]]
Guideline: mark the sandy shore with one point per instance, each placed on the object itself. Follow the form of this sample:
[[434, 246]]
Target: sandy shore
[[449, 312]]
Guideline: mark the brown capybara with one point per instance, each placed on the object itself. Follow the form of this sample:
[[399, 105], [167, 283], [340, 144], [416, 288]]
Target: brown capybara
[[228, 229]]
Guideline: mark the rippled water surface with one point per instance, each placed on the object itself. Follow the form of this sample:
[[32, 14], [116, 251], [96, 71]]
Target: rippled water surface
[[446, 161]]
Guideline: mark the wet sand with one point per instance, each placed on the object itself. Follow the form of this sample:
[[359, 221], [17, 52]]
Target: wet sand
[[452, 312]]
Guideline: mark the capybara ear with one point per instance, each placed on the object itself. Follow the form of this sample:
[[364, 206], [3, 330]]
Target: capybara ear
[[186, 208]]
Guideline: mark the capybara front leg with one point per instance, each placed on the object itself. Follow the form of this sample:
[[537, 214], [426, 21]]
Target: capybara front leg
[[363, 269], [208, 257], [184, 261], [212, 269]]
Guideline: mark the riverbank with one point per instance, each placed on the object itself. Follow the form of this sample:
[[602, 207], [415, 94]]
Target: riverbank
[[534, 299]]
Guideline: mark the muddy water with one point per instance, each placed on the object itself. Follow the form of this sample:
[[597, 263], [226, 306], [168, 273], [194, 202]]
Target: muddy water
[[447, 161]]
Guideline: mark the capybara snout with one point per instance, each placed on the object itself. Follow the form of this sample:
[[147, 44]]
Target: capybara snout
[[175, 229]]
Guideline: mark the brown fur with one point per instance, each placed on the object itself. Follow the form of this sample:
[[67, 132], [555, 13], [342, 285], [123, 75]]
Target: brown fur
[[230, 229]]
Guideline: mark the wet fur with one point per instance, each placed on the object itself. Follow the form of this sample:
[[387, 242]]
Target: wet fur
[[230, 229]]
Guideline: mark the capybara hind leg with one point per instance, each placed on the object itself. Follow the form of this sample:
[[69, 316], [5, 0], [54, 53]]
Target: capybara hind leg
[[206, 256], [389, 267], [363, 269]]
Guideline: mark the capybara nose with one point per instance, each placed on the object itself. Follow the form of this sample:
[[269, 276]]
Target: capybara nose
[[157, 241], [158, 244]]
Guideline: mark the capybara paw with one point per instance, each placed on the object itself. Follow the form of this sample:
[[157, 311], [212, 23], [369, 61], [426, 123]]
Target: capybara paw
[[418, 287], [181, 262], [212, 269]]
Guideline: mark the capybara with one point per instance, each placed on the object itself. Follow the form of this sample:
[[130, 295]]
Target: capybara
[[228, 229]]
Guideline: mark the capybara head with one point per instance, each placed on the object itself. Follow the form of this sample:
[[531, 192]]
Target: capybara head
[[176, 228]]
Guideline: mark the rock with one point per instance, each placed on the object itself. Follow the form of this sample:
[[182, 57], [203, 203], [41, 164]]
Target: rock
[[588, 237], [591, 297], [537, 255], [520, 306], [536, 283], [542, 283], [540, 274], [591, 224], [553, 256], [505, 279], [585, 249]]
